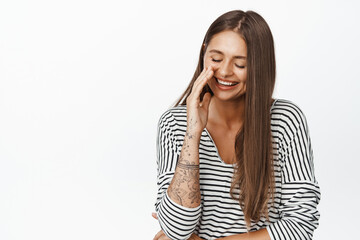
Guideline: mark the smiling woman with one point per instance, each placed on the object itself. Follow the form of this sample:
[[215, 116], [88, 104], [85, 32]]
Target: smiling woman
[[234, 163], [227, 55]]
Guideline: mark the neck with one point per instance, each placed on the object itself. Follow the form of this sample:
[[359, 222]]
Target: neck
[[229, 114]]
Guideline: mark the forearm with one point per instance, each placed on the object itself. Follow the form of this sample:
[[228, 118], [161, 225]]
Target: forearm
[[261, 234], [184, 188]]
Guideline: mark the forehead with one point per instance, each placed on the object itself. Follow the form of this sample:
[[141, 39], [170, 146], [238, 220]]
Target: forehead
[[228, 42]]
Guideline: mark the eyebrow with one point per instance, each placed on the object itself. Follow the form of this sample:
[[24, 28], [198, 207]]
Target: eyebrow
[[220, 52]]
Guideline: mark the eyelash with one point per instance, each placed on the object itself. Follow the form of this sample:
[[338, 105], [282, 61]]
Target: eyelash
[[215, 60]]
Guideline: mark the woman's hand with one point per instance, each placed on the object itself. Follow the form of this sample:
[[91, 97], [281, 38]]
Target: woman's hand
[[160, 235], [197, 112]]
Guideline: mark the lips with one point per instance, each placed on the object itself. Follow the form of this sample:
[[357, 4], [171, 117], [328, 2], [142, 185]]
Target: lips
[[225, 83]]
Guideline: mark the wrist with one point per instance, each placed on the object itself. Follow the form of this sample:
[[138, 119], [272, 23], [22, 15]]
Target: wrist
[[193, 134]]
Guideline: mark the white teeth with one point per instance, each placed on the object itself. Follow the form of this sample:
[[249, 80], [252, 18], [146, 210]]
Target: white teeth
[[225, 83]]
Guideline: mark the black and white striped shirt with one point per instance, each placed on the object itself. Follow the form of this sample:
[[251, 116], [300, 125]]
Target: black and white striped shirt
[[294, 214]]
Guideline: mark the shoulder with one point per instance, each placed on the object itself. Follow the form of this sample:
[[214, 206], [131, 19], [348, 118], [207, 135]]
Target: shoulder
[[173, 117], [288, 114]]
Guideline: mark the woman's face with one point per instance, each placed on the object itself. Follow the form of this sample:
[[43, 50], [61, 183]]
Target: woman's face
[[227, 53]]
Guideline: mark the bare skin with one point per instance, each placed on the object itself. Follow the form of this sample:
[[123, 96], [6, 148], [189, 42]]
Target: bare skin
[[224, 139]]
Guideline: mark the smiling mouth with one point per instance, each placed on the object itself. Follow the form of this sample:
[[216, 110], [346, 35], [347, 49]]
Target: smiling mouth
[[225, 83]]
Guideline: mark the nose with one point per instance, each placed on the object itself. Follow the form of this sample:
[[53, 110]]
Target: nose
[[225, 69]]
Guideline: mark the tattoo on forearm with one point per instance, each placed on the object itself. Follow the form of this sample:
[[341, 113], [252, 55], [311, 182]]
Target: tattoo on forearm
[[190, 125], [189, 135], [188, 166], [185, 187]]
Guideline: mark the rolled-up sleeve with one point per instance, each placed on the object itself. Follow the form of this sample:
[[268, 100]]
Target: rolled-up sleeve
[[177, 222], [300, 190]]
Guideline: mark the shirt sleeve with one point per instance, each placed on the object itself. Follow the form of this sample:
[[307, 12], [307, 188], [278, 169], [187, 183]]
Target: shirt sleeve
[[300, 190], [177, 222]]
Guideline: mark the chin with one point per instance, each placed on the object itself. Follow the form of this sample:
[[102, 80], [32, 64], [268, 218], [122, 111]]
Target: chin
[[227, 96], [231, 98]]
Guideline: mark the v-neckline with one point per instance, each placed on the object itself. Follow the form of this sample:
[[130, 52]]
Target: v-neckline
[[216, 149]]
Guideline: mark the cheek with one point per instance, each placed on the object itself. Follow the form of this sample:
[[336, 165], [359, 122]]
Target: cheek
[[242, 75]]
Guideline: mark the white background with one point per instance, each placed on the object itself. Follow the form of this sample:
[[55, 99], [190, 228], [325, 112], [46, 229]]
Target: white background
[[83, 84]]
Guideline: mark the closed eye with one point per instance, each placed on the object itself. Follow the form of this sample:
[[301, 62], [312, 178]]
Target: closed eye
[[239, 66], [219, 60]]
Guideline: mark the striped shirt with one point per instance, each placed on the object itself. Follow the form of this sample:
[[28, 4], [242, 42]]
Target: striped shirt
[[293, 215]]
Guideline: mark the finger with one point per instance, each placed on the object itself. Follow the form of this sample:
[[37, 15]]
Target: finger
[[194, 237], [158, 235], [164, 237], [194, 97], [208, 76], [154, 215], [161, 236], [197, 88], [203, 72], [201, 84], [202, 75]]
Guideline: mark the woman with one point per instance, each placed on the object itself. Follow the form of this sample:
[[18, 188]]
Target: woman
[[233, 163]]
